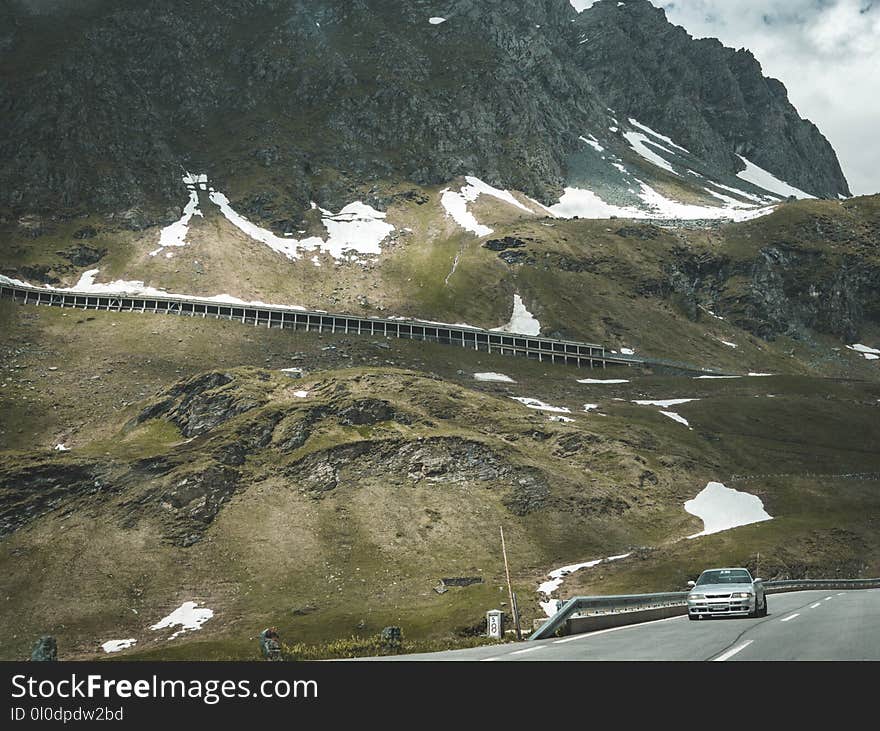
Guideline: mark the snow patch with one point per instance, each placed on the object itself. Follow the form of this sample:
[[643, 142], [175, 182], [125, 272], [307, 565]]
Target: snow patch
[[638, 143], [522, 322], [722, 508], [585, 203], [557, 576], [763, 179], [189, 616], [456, 204], [117, 645], [61, 448], [358, 229], [742, 193], [301, 394], [493, 377], [666, 403], [677, 417], [653, 133], [662, 207], [867, 352], [561, 419], [175, 234], [436, 21], [534, 403], [592, 141], [600, 381]]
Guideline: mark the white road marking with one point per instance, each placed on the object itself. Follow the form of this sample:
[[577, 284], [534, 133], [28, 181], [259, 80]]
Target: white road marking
[[841, 593], [518, 652], [587, 635], [790, 616], [813, 606], [731, 652], [828, 598]]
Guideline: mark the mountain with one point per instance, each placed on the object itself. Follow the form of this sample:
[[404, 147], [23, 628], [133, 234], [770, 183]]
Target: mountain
[[286, 102], [712, 99]]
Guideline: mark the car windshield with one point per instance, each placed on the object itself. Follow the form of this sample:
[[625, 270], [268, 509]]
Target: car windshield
[[724, 576]]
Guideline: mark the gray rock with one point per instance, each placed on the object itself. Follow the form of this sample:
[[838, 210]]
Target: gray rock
[[45, 649]]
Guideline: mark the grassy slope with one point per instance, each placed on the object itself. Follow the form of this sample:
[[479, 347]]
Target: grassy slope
[[368, 554], [583, 279]]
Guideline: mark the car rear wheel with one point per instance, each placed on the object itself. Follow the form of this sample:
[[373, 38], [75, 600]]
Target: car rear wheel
[[764, 608]]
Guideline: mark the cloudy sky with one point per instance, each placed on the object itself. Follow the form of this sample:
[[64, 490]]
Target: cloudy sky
[[826, 52]]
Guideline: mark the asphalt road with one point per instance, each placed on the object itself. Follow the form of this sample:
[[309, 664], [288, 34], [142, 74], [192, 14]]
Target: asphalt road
[[805, 625]]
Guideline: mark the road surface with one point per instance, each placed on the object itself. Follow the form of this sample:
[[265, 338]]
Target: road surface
[[804, 625]]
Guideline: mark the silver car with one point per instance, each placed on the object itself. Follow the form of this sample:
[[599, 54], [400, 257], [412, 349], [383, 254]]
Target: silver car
[[726, 593]]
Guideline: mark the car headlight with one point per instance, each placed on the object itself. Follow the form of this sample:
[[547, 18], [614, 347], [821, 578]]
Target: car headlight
[[695, 597], [741, 595]]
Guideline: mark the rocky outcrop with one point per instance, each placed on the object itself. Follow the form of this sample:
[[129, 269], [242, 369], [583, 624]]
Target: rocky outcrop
[[193, 501], [202, 403], [435, 461], [41, 485], [794, 291], [788, 290]]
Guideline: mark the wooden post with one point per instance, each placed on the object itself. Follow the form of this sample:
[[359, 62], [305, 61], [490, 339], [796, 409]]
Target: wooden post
[[509, 588], [516, 617]]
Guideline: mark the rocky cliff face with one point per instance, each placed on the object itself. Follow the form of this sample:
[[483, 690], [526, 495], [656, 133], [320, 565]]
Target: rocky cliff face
[[712, 99], [286, 101], [810, 269]]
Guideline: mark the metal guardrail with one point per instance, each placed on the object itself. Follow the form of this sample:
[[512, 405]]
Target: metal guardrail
[[594, 605], [543, 349], [777, 587], [608, 604]]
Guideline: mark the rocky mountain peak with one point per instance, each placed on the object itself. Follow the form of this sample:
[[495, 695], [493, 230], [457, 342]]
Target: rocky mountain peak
[[713, 99], [286, 101]]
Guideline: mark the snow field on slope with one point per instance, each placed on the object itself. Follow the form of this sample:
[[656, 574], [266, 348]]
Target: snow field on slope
[[867, 352], [522, 322], [188, 616], [722, 508], [456, 203], [356, 230], [763, 179]]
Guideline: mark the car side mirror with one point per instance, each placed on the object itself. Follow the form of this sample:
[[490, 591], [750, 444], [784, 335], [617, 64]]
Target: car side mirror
[[692, 583], [755, 581]]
